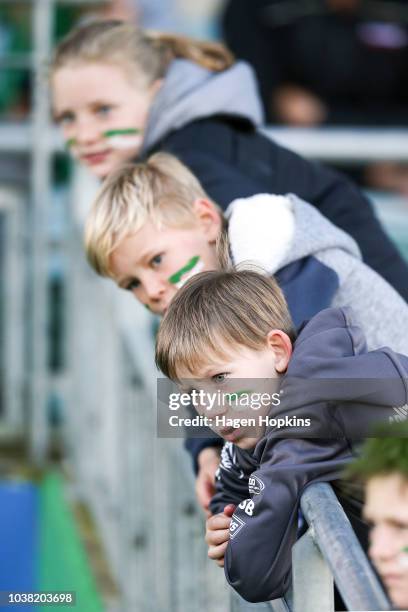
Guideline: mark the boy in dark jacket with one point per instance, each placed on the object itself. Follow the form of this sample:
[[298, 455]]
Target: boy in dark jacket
[[229, 335]]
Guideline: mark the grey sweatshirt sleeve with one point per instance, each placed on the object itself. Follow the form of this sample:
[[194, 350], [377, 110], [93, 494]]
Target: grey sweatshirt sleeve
[[264, 527], [379, 309]]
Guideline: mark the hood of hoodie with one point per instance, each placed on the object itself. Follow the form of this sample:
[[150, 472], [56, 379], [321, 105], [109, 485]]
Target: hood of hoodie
[[273, 231], [335, 384], [190, 92]]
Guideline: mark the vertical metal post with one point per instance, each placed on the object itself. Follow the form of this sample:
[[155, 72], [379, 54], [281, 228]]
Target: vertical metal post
[[11, 207], [40, 189], [312, 579], [358, 586], [237, 604]]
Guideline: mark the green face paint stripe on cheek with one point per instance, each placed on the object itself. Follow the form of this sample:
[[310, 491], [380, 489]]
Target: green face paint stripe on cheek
[[122, 132], [403, 558], [146, 306], [128, 138], [71, 142], [176, 277]]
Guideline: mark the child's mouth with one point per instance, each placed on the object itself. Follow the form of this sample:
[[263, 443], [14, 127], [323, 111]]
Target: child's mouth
[[229, 433], [95, 158], [392, 579]]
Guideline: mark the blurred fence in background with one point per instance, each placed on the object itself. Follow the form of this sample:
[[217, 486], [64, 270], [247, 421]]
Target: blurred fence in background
[[77, 372]]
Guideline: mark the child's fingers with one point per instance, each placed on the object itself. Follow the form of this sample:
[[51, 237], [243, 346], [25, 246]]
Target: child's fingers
[[229, 510], [218, 521], [214, 538], [217, 552], [204, 490]]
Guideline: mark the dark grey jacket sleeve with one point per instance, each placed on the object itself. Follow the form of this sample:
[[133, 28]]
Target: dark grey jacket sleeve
[[264, 527]]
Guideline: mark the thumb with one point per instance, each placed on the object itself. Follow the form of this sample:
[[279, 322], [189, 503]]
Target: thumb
[[229, 510]]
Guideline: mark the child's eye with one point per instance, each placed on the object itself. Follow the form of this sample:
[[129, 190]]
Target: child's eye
[[65, 119], [104, 109], [133, 284], [219, 378], [156, 260], [399, 527]]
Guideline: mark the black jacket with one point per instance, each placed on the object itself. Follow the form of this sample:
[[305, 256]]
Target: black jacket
[[344, 391]]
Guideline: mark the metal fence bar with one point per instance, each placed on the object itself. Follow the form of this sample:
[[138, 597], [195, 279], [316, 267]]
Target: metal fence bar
[[11, 206], [40, 189], [238, 604], [312, 579], [333, 534], [326, 144], [350, 145]]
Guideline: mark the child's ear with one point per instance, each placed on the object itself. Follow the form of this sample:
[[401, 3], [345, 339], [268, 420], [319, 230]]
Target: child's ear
[[209, 218], [281, 344], [155, 87]]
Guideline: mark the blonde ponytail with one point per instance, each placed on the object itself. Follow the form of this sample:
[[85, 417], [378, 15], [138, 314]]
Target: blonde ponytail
[[149, 53], [211, 55]]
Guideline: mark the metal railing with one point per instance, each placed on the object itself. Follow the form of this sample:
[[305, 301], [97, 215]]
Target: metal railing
[[331, 551], [352, 145], [13, 272]]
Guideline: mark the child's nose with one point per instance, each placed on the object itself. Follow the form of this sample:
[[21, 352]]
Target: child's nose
[[382, 547], [154, 289], [87, 131]]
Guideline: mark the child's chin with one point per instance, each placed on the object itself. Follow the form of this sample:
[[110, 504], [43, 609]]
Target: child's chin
[[103, 170]]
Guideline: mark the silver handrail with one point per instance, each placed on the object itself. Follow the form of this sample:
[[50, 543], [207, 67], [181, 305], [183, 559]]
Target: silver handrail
[[335, 543], [351, 145]]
